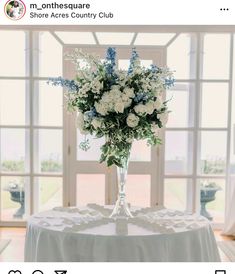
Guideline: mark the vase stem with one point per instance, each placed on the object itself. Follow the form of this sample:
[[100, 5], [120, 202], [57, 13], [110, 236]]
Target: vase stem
[[121, 208]]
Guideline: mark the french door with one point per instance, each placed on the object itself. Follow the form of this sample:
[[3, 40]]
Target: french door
[[88, 181]]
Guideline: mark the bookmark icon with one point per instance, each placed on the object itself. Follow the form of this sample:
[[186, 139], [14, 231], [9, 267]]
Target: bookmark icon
[[220, 272]]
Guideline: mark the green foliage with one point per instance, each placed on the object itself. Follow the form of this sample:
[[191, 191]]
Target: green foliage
[[115, 153], [216, 166], [51, 166], [9, 165]]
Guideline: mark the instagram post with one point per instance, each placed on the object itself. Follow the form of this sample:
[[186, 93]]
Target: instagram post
[[117, 136]]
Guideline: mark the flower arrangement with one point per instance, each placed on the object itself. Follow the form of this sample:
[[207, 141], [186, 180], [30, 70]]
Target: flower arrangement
[[121, 106]]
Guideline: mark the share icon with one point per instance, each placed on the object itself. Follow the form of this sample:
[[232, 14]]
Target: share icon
[[60, 271]]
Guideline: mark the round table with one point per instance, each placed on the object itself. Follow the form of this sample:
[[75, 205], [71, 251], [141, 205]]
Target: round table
[[88, 235]]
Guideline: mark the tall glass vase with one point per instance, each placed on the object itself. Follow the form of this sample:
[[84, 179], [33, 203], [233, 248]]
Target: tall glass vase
[[121, 208]]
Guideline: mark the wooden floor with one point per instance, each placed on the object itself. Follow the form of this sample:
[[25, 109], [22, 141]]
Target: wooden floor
[[14, 252], [220, 237]]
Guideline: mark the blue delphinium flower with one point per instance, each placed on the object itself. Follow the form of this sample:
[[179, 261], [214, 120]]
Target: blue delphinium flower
[[91, 113], [69, 84], [140, 97], [134, 57], [110, 61], [154, 68], [169, 82]]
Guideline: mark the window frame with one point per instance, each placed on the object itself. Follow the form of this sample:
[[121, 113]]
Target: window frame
[[199, 31], [31, 146]]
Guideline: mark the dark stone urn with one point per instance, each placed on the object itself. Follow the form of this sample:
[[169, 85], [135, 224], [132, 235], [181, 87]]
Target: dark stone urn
[[207, 195], [17, 195]]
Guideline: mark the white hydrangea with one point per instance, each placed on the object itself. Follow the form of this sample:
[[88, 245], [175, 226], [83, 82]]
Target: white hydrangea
[[140, 109], [132, 120], [102, 108], [97, 86], [115, 100], [126, 101], [119, 107], [121, 75], [129, 92], [146, 84]]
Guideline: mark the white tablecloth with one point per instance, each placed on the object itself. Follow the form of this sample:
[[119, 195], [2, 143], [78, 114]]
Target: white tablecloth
[[84, 235]]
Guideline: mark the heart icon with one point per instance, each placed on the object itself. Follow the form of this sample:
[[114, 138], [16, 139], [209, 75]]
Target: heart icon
[[14, 272]]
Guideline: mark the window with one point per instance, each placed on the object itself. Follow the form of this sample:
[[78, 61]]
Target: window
[[39, 148], [200, 108], [31, 142]]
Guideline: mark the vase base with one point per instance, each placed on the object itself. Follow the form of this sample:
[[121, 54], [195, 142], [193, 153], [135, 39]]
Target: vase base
[[121, 210]]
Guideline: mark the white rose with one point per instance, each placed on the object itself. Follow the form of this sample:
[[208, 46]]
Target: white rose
[[132, 120], [149, 107], [140, 109], [163, 117], [96, 123], [106, 98], [119, 107]]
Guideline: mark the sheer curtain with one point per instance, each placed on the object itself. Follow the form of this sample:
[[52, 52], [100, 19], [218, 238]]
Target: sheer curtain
[[229, 226]]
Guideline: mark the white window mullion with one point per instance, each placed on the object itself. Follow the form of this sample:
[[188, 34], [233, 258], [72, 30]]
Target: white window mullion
[[158, 158], [195, 195], [228, 189], [31, 114], [191, 122]]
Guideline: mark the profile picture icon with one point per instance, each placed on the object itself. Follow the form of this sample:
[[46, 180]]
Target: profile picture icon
[[15, 9]]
